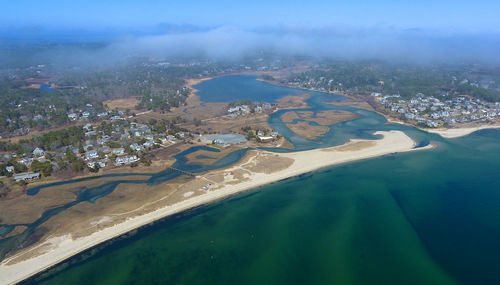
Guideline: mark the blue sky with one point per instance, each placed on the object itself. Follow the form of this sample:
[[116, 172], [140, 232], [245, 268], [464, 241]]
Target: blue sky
[[478, 15]]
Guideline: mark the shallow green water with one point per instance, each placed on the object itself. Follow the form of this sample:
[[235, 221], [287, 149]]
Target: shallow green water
[[428, 217]]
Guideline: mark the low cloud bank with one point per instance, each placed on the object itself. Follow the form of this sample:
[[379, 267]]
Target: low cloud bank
[[227, 43], [343, 43]]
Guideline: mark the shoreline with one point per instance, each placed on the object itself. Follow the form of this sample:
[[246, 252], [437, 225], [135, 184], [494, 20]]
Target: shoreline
[[447, 133], [64, 247], [460, 132]]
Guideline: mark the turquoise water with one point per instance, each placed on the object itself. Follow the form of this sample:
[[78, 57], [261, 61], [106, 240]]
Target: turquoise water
[[428, 217]]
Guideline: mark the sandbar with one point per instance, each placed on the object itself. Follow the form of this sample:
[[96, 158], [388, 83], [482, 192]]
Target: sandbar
[[460, 132]]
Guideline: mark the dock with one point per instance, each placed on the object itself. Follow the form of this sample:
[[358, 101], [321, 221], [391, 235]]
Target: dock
[[182, 171]]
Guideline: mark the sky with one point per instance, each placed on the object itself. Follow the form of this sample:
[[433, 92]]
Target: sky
[[464, 15], [416, 30]]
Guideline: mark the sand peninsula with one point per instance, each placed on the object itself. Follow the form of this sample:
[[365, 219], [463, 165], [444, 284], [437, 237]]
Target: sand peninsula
[[256, 169], [460, 132]]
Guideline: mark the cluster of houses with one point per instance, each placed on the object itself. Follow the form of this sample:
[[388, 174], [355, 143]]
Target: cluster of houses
[[87, 113], [264, 137], [37, 154], [242, 110], [433, 112], [138, 137], [98, 149], [83, 115], [320, 84], [125, 160]]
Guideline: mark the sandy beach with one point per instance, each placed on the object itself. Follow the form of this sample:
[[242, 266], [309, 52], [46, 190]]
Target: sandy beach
[[460, 132], [56, 249], [193, 81]]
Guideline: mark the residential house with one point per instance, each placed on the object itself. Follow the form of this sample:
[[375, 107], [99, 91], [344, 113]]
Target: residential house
[[73, 116], [103, 114], [148, 144], [119, 151], [126, 160], [38, 152], [265, 138], [26, 176], [91, 154], [136, 147], [26, 161]]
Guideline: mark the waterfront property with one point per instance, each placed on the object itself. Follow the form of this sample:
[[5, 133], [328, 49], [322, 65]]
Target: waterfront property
[[126, 160], [26, 176], [265, 138], [225, 139]]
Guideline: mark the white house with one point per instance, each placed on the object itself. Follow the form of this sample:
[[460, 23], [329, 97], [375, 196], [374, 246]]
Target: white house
[[38, 152], [265, 139], [26, 176], [135, 147], [119, 151], [148, 144], [126, 160], [91, 154], [73, 116]]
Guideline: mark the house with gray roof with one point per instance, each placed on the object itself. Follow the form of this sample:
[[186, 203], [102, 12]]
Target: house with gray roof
[[26, 176]]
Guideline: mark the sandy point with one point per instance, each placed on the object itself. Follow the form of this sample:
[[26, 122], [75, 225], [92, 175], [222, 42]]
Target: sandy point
[[460, 132]]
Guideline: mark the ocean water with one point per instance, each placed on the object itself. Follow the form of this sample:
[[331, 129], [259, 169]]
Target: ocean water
[[429, 217], [425, 217]]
